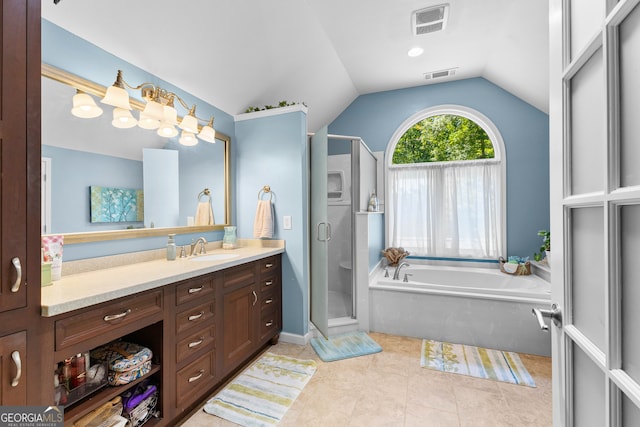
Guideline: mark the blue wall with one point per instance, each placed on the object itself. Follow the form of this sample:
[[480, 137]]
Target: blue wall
[[525, 130], [273, 151]]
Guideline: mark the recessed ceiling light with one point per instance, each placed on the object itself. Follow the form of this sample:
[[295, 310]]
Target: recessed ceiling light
[[415, 51]]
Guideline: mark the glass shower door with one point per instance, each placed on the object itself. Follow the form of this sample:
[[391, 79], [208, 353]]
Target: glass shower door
[[320, 233]]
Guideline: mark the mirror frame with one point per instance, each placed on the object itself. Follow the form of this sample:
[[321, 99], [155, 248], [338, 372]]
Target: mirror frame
[[95, 89]]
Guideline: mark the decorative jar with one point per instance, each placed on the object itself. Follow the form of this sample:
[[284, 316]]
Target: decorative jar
[[230, 240]]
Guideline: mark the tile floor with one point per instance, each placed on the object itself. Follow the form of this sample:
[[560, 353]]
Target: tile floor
[[391, 389]]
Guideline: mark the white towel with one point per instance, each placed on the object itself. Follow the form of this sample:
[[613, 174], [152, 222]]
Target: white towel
[[204, 214], [263, 224]]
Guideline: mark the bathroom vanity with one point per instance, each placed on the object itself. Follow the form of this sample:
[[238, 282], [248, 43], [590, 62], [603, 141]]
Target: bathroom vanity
[[203, 319]]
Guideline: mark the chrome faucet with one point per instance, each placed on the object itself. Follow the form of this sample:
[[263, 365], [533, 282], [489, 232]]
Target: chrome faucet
[[396, 274], [194, 246]]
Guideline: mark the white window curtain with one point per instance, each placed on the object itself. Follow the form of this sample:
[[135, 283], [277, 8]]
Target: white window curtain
[[447, 209]]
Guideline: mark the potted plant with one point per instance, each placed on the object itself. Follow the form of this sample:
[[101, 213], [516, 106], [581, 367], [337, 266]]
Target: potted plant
[[545, 247]]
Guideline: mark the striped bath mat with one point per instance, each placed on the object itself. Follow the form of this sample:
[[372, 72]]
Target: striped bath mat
[[262, 393], [475, 362], [343, 346]]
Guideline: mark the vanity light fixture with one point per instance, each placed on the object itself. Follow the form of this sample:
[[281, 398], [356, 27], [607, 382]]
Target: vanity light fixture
[[187, 138], [159, 111], [84, 106], [208, 133], [123, 119]]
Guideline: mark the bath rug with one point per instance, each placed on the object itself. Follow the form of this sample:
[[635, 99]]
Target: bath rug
[[344, 346], [262, 393], [475, 362]]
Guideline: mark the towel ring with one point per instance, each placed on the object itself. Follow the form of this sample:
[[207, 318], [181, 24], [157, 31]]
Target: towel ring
[[264, 190], [204, 192]]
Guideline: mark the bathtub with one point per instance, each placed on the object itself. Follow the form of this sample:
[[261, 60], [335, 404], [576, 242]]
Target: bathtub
[[475, 306]]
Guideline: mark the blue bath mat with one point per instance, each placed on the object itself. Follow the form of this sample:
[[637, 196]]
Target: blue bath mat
[[344, 346]]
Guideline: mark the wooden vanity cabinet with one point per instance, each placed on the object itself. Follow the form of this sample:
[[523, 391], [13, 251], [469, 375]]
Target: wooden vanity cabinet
[[138, 318], [194, 344], [13, 387], [252, 309], [19, 202], [200, 330]]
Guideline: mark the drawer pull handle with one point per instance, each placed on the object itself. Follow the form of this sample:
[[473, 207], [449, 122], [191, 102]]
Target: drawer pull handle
[[196, 316], [255, 297], [269, 301], [16, 359], [18, 267], [195, 290], [197, 377], [268, 265], [269, 323], [268, 283], [111, 317], [196, 343]]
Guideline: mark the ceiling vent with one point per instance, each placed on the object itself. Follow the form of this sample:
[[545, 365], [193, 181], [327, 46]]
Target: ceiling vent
[[432, 75], [430, 20]]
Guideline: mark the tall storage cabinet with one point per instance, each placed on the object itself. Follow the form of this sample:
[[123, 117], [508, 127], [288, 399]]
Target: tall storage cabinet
[[19, 200]]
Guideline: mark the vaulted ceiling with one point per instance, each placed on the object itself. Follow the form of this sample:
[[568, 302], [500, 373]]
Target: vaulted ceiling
[[241, 53]]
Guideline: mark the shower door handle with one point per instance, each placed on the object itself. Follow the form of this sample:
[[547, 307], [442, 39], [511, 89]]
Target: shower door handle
[[327, 232], [554, 314]]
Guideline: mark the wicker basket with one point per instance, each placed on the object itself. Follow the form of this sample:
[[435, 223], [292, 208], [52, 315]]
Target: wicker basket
[[394, 255], [522, 269]]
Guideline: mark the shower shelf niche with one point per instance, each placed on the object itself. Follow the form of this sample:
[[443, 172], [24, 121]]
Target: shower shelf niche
[[335, 185]]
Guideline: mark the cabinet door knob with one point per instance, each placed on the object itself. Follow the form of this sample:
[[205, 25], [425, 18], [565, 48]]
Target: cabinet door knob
[[196, 343], [16, 359], [269, 323], [111, 317], [196, 316], [18, 267], [195, 290], [268, 283], [268, 265], [269, 301], [255, 297], [197, 377]]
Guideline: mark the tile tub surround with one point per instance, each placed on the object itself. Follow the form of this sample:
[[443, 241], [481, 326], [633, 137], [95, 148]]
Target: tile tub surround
[[390, 389], [98, 280]]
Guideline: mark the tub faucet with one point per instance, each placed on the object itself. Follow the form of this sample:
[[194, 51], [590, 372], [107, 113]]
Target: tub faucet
[[194, 246], [396, 274]]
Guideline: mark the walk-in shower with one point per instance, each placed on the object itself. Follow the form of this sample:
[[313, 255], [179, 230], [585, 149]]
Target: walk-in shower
[[343, 176]]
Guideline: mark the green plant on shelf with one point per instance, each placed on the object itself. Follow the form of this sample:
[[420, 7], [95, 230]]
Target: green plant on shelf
[[270, 107], [546, 245]]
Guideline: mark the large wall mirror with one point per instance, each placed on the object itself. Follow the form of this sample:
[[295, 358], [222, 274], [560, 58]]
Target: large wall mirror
[[86, 159]]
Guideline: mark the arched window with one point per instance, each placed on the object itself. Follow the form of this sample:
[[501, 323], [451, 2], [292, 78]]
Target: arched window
[[445, 174]]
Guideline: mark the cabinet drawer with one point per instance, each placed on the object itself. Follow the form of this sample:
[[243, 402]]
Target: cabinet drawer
[[195, 377], [269, 282], [197, 315], [269, 322], [269, 264], [194, 289], [107, 319], [240, 275], [269, 300], [195, 342]]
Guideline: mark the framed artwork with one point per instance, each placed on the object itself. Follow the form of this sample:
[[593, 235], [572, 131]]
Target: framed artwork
[[110, 204]]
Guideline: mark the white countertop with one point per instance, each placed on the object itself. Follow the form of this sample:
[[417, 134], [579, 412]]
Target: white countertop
[[93, 287]]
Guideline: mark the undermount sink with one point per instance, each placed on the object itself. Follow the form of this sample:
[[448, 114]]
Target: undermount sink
[[213, 257]]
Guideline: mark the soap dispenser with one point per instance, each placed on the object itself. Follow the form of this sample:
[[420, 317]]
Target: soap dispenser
[[171, 248]]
